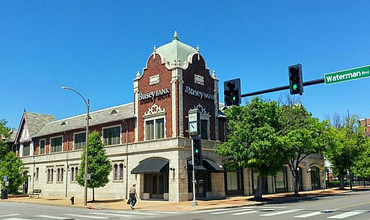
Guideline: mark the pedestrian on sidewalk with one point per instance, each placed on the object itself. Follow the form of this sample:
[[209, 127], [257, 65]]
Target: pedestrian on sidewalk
[[133, 196]]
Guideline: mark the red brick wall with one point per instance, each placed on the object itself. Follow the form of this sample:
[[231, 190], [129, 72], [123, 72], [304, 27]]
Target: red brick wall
[[155, 67], [198, 67], [68, 136]]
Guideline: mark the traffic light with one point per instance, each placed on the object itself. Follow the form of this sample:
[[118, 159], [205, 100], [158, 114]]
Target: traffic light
[[295, 79], [232, 93], [197, 147], [189, 167]]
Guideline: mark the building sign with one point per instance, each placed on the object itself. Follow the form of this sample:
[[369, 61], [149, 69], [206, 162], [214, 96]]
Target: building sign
[[153, 95], [154, 79], [200, 94]]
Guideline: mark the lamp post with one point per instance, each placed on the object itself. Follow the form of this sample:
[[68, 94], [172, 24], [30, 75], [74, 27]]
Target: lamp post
[[87, 139]]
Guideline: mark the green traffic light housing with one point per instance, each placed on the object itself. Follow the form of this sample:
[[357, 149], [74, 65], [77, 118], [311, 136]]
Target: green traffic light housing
[[232, 92], [295, 79]]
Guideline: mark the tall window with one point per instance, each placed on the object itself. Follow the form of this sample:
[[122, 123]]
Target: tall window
[[37, 174], [60, 175], [281, 181], [26, 149], [115, 172], [120, 171], [112, 135], [204, 129], [72, 174], [50, 175], [154, 129], [42, 146], [56, 144], [80, 141]]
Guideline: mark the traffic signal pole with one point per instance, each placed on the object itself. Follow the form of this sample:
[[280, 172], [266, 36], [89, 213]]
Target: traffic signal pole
[[308, 83]]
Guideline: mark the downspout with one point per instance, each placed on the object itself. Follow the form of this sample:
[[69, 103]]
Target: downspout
[[67, 168], [126, 158]]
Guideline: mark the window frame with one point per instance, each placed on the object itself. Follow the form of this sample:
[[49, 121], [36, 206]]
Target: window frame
[[109, 127], [155, 132], [44, 139], [50, 147], [28, 144], [74, 139]]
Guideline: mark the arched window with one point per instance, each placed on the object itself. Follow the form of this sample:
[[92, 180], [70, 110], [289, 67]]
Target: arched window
[[120, 171], [115, 172], [72, 174], [315, 178]]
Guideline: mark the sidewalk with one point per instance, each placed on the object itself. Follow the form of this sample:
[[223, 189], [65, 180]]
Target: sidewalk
[[154, 205]]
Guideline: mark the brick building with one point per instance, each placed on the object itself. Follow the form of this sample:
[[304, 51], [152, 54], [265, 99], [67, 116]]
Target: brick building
[[147, 140]]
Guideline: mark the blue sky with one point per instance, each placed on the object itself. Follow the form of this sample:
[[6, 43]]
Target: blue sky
[[97, 47]]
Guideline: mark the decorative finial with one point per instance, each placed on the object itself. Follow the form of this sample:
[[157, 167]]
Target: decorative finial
[[198, 52], [137, 74], [154, 51], [214, 74], [175, 37]]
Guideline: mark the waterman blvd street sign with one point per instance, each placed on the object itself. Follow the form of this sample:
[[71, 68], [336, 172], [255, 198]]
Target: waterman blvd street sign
[[346, 75]]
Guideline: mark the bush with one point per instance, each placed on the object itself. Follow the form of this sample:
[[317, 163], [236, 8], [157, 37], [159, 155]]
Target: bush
[[335, 183]]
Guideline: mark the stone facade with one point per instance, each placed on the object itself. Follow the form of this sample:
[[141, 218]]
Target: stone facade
[[155, 126]]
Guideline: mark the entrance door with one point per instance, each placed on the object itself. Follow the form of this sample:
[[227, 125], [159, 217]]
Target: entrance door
[[158, 185]]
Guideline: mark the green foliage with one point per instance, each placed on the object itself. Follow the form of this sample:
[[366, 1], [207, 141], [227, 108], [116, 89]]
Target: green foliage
[[362, 165], [12, 167], [4, 133], [253, 139], [345, 144], [302, 136], [98, 166], [335, 183]]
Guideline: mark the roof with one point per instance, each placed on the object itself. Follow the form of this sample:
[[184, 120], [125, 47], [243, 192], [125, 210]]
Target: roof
[[35, 121], [176, 51], [111, 114]]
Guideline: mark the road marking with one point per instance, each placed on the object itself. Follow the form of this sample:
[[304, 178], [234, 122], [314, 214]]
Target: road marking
[[133, 212], [50, 217], [309, 214], [8, 215], [229, 211], [86, 216], [111, 214], [281, 212], [243, 213], [209, 210], [17, 219], [348, 214]]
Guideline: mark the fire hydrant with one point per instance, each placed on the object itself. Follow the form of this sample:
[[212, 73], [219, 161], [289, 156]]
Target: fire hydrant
[[72, 199]]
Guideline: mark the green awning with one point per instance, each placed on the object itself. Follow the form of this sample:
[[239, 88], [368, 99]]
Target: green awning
[[152, 165]]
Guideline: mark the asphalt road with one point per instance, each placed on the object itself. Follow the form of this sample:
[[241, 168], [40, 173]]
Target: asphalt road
[[351, 205]]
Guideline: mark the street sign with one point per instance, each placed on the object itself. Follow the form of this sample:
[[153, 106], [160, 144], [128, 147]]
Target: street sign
[[345, 75], [87, 176], [5, 178]]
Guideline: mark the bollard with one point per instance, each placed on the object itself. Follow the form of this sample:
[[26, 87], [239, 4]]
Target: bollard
[[72, 199]]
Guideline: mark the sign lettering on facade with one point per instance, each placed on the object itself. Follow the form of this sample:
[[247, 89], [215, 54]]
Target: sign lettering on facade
[[346, 75], [152, 95], [199, 94]]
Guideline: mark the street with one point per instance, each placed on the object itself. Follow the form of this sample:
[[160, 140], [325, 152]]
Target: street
[[351, 205]]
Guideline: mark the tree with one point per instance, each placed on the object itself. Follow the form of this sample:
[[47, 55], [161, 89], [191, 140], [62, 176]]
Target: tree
[[253, 141], [362, 165], [303, 136], [98, 166], [4, 134], [12, 167], [344, 146]]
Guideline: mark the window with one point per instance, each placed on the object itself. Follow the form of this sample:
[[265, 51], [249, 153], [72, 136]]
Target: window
[[60, 175], [154, 129], [42, 146], [204, 129], [112, 135], [115, 172], [26, 149], [73, 174], [56, 144], [120, 171], [37, 174], [80, 141], [50, 175], [281, 181]]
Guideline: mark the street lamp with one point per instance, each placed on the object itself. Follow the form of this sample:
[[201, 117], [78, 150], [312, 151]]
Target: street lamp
[[87, 138]]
